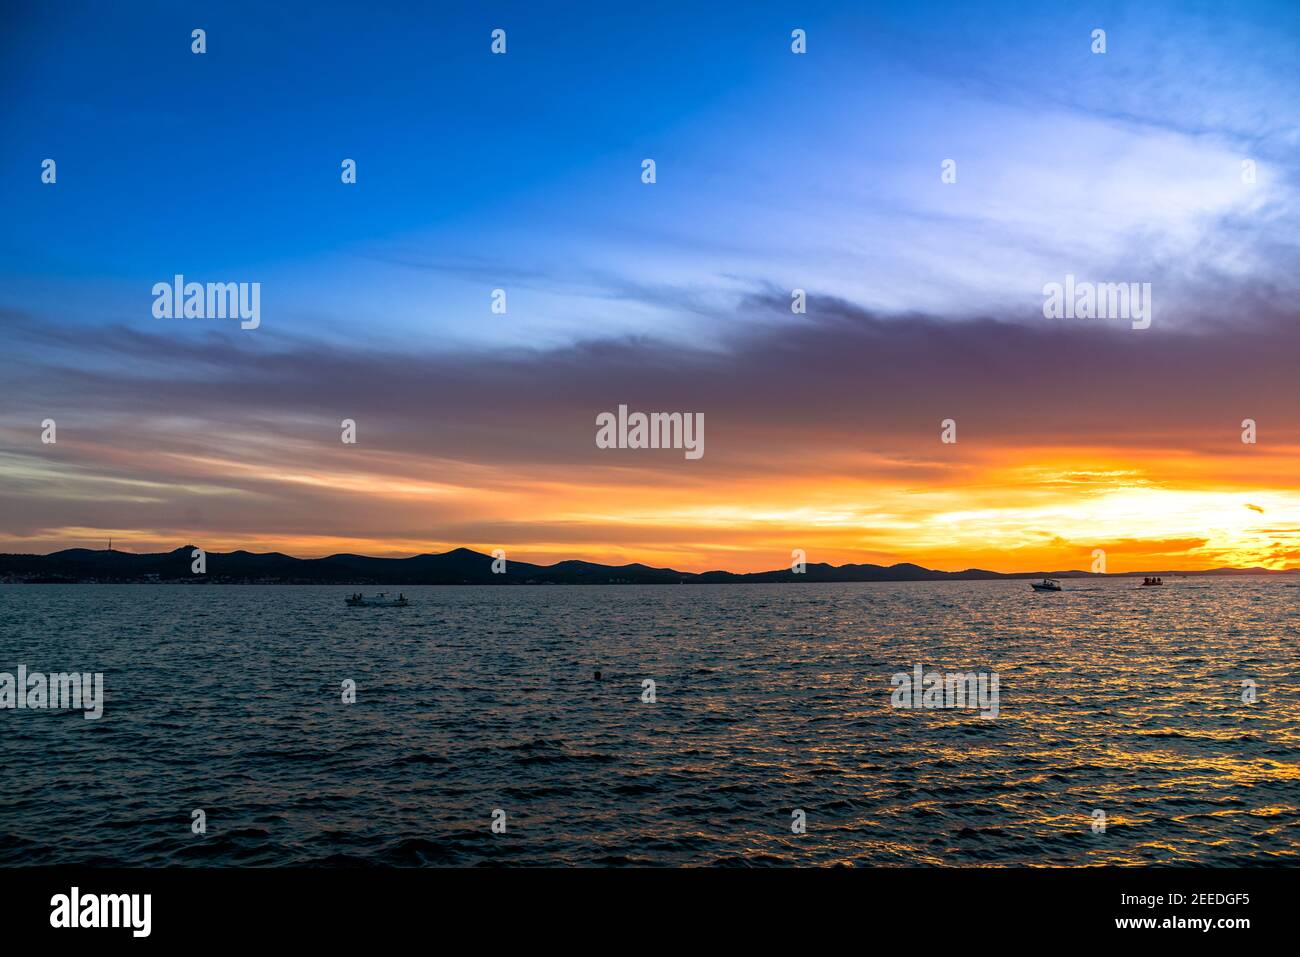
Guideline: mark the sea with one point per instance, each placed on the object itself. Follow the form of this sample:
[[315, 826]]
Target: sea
[[688, 725]]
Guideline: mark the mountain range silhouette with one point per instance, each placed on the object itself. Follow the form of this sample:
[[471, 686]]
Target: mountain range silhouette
[[463, 566]]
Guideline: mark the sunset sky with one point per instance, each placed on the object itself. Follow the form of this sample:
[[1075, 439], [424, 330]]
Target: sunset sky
[[775, 171]]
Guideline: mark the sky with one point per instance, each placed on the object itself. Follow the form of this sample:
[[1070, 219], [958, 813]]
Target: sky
[[775, 171]]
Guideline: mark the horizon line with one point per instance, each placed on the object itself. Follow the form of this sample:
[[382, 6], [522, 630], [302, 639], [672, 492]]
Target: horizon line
[[1074, 572]]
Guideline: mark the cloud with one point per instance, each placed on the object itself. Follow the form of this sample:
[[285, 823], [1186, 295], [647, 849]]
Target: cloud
[[841, 382], [808, 419]]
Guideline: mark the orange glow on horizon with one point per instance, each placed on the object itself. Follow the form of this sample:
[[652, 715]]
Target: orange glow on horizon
[[1024, 510]]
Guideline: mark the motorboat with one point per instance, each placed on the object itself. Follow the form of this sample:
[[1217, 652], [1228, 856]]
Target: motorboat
[[382, 600], [1047, 584]]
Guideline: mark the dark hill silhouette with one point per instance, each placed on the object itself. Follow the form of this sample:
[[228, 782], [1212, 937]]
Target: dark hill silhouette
[[463, 566]]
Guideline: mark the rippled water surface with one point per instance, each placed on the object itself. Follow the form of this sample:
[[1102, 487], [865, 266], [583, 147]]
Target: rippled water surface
[[769, 698]]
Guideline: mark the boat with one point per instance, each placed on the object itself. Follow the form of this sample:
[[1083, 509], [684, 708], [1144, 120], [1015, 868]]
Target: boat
[[1047, 584], [382, 600], [1148, 582]]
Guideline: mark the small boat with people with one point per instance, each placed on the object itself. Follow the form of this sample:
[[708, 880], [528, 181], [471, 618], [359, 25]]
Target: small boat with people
[[1149, 581], [1047, 584], [382, 600]]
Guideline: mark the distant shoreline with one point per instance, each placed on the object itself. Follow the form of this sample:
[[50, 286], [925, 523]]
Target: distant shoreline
[[462, 566], [211, 582]]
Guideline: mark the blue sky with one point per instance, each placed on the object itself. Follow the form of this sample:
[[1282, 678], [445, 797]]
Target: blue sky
[[522, 171], [775, 171]]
